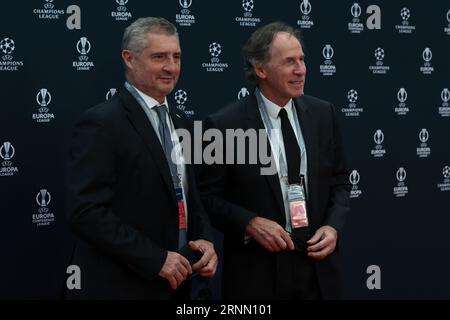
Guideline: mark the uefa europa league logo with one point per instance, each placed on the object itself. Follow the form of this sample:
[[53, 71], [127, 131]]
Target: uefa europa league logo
[[83, 46], [424, 135], [328, 52], [242, 93], [402, 95], [354, 177], [401, 174], [378, 137], [110, 93], [43, 198], [7, 151], [43, 97], [355, 10], [427, 55], [305, 7]]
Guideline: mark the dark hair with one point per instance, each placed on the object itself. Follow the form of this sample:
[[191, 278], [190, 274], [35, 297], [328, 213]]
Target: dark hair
[[257, 48]]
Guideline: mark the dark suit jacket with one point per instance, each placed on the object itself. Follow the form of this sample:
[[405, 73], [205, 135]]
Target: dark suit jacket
[[121, 202], [234, 194]]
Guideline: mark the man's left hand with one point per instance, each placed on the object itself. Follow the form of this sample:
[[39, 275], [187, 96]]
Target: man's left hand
[[323, 243], [207, 265]]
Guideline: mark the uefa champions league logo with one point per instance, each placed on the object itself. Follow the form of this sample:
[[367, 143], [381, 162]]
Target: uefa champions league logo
[[379, 67], [445, 185], [352, 96], [446, 172], [248, 6], [379, 54], [405, 14], [215, 49], [352, 110], [180, 97], [7, 46], [49, 5]]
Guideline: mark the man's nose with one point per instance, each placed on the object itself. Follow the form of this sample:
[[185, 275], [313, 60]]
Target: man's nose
[[171, 64], [300, 68]]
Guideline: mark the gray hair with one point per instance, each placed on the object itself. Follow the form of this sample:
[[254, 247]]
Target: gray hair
[[134, 35], [256, 50]]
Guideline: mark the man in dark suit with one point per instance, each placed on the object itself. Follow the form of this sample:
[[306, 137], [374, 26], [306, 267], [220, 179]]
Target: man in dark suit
[[280, 230], [131, 198]]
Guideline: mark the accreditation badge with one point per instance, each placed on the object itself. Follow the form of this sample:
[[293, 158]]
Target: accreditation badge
[[297, 205], [181, 209]]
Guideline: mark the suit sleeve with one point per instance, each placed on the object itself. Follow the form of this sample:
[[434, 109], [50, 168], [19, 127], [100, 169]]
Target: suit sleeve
[[225, 216], [91, 173], [339, 201]]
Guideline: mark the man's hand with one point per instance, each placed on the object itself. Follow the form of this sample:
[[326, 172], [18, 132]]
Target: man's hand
[[269, 234], [176, 269], [322, 243], [207, 264]]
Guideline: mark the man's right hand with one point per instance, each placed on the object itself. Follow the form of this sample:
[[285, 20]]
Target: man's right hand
[[176, 269], [269, 234]]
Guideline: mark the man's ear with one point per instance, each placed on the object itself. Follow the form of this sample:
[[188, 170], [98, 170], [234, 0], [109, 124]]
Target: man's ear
[[127, 58], [260, 71]]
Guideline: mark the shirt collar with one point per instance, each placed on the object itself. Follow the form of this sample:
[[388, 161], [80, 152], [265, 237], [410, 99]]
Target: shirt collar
[[273, 109], [150, 102]]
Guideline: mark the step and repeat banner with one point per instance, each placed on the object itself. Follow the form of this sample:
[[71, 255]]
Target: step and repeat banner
[[384, 64]]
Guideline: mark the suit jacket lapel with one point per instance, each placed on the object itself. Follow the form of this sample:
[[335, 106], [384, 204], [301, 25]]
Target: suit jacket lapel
[[254, 120], [141, 123], [307, 124]]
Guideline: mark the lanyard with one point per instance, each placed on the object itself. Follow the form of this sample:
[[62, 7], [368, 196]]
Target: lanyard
[[176, 176], [270, 130]]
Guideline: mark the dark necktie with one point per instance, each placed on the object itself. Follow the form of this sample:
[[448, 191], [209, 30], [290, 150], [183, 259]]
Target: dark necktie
[[167, 144], [164, 133], [291, 148], [293, 158]]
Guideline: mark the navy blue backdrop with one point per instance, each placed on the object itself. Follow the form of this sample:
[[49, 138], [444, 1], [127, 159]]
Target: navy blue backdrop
[[384, 64]]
